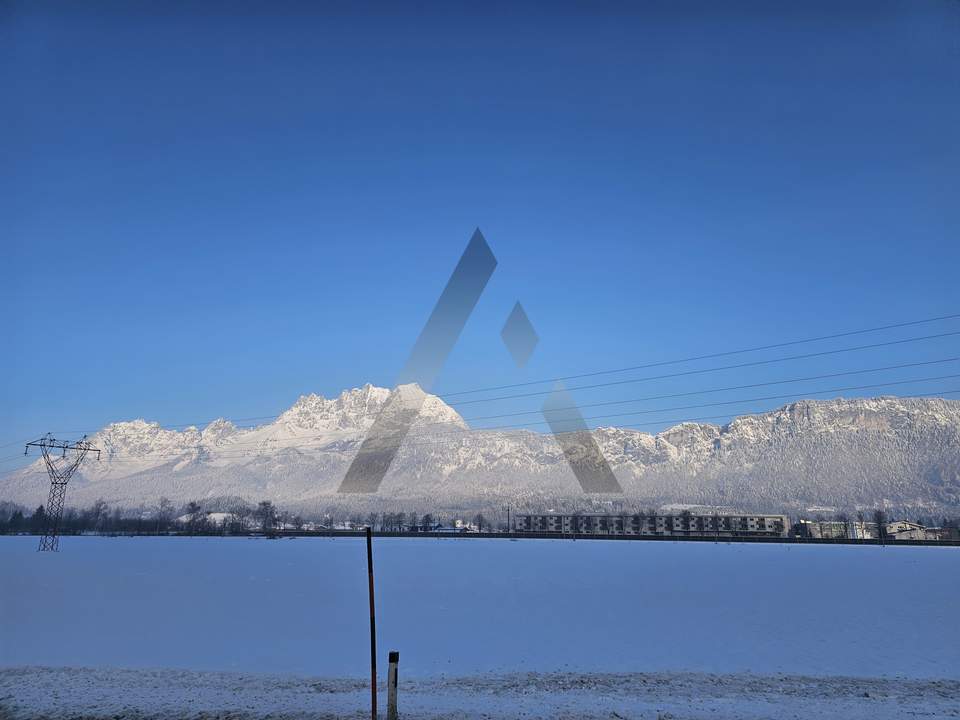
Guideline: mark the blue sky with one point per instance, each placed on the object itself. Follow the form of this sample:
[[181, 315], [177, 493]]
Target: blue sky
[[208, 212]]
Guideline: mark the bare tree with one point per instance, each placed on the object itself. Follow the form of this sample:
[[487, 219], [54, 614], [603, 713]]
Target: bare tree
[[238, 517], [97, 515], [880, 518], [266, 514], [164, 513], [195, 516]]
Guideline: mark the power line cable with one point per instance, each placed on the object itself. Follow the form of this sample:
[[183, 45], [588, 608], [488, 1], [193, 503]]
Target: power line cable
[[705, 405], [707, 356], [758, 348], [587, 405], [687, 394], [721, 389], [702, 371]]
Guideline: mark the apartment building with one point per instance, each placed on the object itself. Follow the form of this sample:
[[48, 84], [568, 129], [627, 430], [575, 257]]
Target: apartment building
[[655, 525]]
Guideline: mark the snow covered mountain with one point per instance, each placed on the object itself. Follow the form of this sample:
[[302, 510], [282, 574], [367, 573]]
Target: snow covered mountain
[[844, 453]]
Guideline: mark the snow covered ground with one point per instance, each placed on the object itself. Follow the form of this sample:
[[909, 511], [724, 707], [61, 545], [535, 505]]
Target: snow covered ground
[[587, 628], [29, 693]]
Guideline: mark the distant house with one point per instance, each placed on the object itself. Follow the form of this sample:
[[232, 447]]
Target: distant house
[[430, 527], [903, 526], [212, 518], [906, 530], [836, 529]]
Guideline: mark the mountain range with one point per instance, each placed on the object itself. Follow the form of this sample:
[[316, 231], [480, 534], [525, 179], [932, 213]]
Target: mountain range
[[846, 454]]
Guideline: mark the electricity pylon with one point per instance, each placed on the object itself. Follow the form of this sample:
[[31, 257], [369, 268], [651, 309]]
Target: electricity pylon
[[60, 468]]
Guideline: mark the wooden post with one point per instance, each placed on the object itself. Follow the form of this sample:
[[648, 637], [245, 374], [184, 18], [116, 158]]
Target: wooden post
[[392, 685], [373, 630]]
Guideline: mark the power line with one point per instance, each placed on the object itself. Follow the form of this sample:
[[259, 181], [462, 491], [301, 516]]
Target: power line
[[537, 411], [705, 405], [173, 426], [722, 389], [272, 443], [773, 397], [758, 348], [648, 365], [707, 356], [685, 373], [15, 442], [759, 412], [934, 394]]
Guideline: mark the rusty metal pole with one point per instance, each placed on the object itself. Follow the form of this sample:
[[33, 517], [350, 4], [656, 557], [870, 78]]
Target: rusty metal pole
[[373, 629]]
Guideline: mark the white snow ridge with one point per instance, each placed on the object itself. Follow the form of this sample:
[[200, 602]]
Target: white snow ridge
[[844, 453]]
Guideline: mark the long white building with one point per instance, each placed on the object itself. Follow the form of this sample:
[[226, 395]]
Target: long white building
[[655, 525]]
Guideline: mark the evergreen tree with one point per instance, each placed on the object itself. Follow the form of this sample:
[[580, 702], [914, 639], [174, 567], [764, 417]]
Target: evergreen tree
[[17, 523], [39, 520]]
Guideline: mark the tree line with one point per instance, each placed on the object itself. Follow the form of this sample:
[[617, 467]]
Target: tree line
[[239, 517], [194, 519]]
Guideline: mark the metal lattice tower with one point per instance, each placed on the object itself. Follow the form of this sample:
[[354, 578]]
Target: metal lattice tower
[[60, 467]]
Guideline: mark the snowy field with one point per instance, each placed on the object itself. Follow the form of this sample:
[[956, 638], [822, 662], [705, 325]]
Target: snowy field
[[629, 629]]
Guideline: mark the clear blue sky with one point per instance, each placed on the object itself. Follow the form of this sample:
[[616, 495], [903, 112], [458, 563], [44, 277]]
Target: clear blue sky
[[208, 210]]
